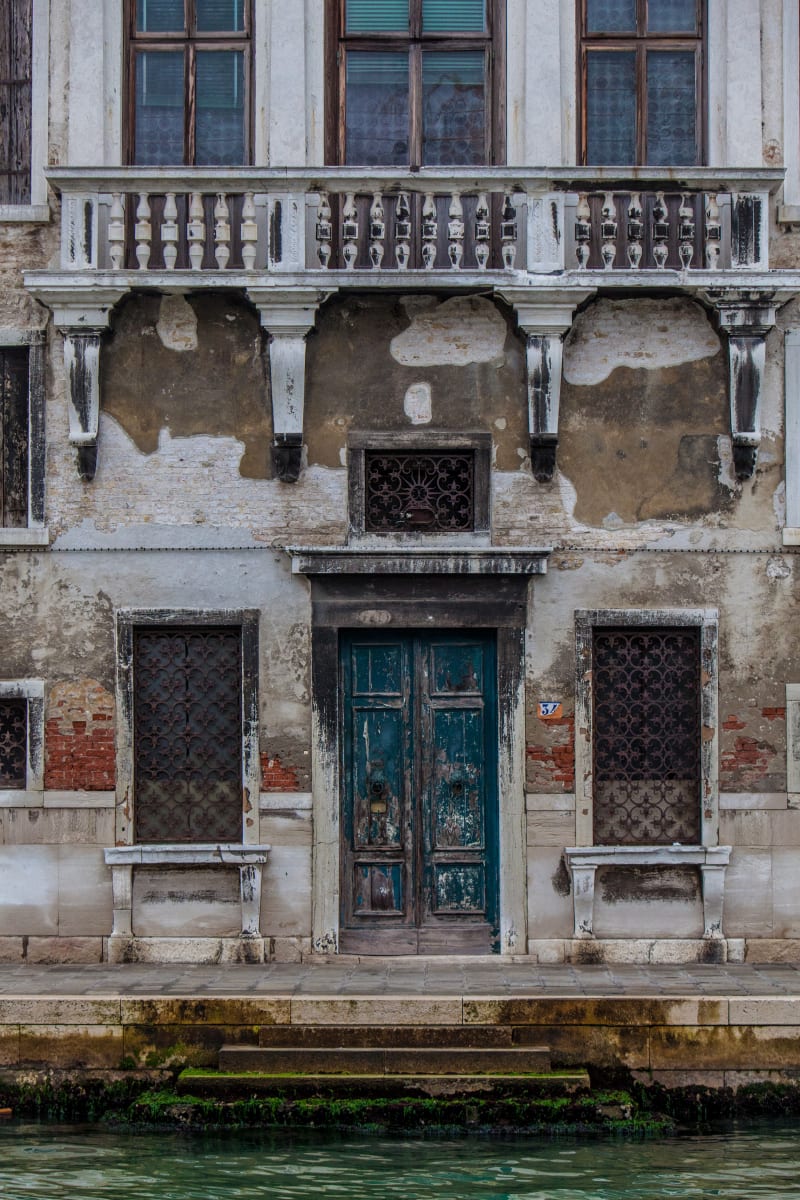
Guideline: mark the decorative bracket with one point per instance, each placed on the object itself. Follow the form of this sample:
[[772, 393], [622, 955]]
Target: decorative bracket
[[287, 317], [545, 323], [747, 318], [82, 321]]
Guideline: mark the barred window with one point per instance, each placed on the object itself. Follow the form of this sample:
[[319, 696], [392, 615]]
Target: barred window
[[646, 722], [187, 734], [14, 437], [13, 743]]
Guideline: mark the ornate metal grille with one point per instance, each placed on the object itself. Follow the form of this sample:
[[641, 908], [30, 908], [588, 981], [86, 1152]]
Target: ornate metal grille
[[13, 743], [424, 491], [646, 736], [187, 725]]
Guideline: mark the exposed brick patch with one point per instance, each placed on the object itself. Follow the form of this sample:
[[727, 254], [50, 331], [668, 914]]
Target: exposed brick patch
[[774, 714], [551, 762], [747, 763], [275, 777], [733, 722], [79, 738]]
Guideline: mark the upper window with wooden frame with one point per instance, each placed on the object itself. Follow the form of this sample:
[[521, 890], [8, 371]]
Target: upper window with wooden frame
[[415, 83], [16, 24], [642, 68], [189, 68]]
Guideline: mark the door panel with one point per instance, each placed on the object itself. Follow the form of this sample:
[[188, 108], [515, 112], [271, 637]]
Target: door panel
[[419, 810]]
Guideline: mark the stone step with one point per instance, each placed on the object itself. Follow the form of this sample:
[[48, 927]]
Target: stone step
[[230, 1086], [377, 1036], [395, 1060]]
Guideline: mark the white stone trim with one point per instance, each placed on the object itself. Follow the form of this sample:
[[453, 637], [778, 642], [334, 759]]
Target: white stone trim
[[734, 83], [285, 802], [31, 796], [57, 799], [708, 621], [793, 744], [791, 342]]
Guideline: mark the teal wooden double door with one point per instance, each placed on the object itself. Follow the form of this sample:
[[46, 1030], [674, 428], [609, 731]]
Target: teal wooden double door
[[419, 794]]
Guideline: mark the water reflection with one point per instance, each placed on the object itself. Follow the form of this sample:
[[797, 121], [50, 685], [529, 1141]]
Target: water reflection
[[86, 1163]]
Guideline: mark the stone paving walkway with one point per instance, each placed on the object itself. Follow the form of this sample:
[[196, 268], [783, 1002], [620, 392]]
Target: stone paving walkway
[[401, 977]]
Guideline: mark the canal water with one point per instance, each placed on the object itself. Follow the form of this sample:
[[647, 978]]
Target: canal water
[[48, 1162]]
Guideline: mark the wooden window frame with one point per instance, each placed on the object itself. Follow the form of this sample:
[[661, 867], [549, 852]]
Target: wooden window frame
[[19, 89], [493, 41], [191, 42], [641, 42]]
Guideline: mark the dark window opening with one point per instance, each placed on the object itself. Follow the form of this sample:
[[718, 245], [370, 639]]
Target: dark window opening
[[419, 492], [187, 732], [416, 82], [189, 82], [15, 101], [14, 437], [647, 714], [13, 743], [642, 82]]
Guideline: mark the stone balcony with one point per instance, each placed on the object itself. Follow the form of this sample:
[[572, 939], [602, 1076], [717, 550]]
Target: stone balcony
[[543, 241], [352, 227]]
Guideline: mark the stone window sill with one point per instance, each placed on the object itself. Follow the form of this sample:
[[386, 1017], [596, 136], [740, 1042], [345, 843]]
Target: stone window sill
[[22, 538], [13, 214], [583, 862]]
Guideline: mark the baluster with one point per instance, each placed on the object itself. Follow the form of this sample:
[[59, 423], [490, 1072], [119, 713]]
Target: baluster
[[169, 232], [143, 231], [249, 232], [660, 231], [713, 232], [455, 232], [324, 230], [686, 230], [508, 233], [482, 231], [377, 231], [402, 231], [350, 232], [635, 230], [583, 231], [222, 231], [608, 231], [196, 231], [430, 231], [116, 231]]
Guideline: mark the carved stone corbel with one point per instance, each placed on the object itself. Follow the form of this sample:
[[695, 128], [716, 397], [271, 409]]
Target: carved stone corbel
[[287, 317], [545, 322], [82, 321], [747, 320]]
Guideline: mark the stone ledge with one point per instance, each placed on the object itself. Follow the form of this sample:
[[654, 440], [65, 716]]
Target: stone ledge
[[642, 951], [120, 948], [224, 853]]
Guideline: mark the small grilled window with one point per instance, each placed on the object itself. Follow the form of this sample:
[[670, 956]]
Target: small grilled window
[[422, 491], [188, 734], [13, 743], [646, 736]]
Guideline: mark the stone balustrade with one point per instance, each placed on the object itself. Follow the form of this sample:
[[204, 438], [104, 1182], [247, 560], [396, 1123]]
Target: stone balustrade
[[340, 222]]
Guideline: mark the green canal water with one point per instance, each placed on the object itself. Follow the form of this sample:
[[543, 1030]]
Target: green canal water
[[48, 1162]]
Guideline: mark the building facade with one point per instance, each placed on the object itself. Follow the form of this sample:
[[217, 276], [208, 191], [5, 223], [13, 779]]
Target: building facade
[[400, 479]]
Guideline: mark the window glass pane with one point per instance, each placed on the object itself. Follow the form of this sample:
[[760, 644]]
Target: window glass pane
[[671, 108], [672, 16], [611, 108], [453, 16], [159, 16], [453, 109], [611, 16], [220, 15], [377, 109], [377, 16], [219, 130], [159, 107]]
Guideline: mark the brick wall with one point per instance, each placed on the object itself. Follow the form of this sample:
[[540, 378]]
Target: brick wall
[[551, 759], [275, 777], [79, 738]]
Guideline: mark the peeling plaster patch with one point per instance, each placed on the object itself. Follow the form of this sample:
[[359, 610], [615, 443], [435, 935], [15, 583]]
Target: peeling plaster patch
[[613, 521], [779, 504], [501, 423], [177, 324], [417, 404], [456, 333], [778, 568], [726, 474], [640, 334]]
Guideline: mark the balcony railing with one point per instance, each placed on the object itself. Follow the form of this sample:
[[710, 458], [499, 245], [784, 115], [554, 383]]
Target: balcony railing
[[380, 225]]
